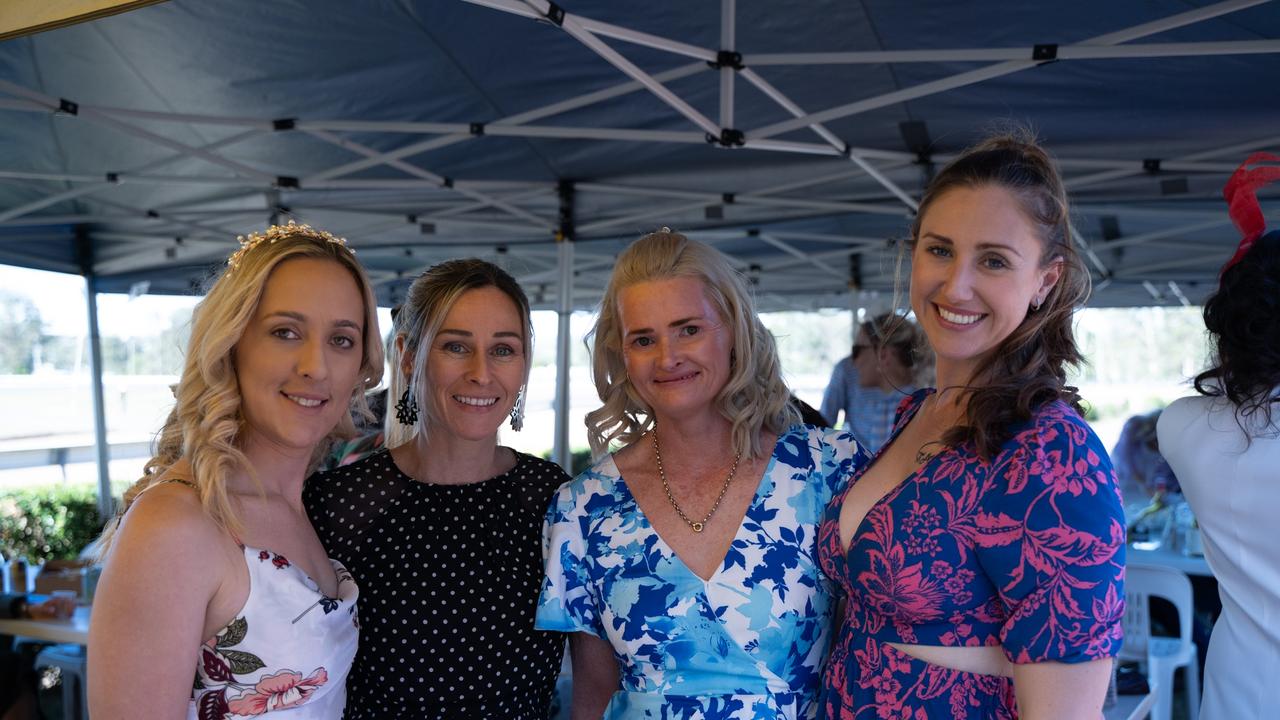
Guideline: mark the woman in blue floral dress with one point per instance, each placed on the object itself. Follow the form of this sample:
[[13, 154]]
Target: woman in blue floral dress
[[685, 564], [982, 551]]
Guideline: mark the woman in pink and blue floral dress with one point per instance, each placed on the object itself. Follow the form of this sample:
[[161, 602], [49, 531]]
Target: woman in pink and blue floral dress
[[981, 552]]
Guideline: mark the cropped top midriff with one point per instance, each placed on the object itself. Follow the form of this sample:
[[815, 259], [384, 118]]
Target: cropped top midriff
[[287, 652]]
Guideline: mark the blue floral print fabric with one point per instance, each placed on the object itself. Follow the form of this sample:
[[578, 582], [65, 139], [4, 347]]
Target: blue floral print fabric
[[747, 643]]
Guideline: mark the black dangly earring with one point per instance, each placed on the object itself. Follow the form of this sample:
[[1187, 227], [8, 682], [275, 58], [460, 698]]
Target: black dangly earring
[[407, 408]]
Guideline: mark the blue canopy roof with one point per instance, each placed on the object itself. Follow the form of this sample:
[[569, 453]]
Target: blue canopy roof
[[136, 147]]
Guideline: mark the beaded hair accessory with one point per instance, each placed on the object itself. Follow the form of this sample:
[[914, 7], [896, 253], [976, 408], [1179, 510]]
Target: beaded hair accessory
[[1241, 194], [279, 232]]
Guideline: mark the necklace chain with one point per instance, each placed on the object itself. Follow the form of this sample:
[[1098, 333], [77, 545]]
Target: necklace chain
[[698, 525]]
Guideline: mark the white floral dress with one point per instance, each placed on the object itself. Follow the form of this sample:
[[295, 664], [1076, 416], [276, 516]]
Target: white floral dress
[[747, 643], [287, 652]]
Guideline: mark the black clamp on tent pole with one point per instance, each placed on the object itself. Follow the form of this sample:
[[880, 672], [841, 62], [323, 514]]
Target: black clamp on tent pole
[[728, 137], [113, 178], [727, 58], [727, 198], [1045, 53], [446, 182], [284, 124], [555, 14], [477, 129], [1151, 165], [288, 182], [66, 107]]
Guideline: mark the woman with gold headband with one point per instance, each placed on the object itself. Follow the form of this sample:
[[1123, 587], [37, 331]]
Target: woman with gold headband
[[684, 564], [217, 598]]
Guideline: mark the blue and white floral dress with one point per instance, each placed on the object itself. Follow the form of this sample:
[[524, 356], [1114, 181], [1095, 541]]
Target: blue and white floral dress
[[747, 643]]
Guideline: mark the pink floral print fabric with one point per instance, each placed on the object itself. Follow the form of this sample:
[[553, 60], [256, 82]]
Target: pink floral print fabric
[[286, 654], [1025, 551]]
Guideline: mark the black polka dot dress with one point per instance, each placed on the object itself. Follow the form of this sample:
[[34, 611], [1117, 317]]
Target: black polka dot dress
[[449, 577]]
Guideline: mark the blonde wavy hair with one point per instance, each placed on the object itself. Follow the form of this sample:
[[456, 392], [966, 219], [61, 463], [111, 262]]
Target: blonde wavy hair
[[205, 424], [423, 313], [753, 398]]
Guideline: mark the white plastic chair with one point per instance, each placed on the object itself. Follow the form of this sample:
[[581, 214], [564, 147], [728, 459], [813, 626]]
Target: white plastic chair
[[1163, 655]]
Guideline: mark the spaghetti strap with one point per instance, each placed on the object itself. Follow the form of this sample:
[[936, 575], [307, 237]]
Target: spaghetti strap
[[157, 483]]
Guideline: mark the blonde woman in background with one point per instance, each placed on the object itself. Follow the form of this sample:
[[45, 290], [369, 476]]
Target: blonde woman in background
[[684, 565], [890, 360], [217, 598]]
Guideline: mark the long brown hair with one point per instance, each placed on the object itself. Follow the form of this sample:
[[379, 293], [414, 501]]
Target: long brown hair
[[1029, 368]]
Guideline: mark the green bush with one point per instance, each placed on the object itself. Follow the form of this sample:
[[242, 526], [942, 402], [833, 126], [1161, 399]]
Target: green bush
[[52, 524]]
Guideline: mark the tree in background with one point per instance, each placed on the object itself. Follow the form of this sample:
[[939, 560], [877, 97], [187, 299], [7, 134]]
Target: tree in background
[[20, 333]]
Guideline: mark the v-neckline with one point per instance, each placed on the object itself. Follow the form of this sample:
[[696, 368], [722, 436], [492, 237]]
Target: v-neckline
[[893, 492], [666, 547]]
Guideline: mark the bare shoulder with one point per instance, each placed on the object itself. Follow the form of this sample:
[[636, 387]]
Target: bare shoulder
[[167, 521]]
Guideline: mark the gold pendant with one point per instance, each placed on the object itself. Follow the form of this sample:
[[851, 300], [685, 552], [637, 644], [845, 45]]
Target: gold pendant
[[697, 527]]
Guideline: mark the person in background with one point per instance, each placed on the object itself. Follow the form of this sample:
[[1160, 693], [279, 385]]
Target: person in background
[[1224, 445], [217, 599], [1141, 469], [443, 530], [982, 552], [17, 680], [683, 565], [867, 387]]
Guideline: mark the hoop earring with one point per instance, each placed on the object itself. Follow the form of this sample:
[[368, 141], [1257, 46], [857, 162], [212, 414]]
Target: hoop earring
[[407, 408], [517, 411]]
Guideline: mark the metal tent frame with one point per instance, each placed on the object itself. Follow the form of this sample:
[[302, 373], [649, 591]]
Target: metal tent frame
[[811, 214]]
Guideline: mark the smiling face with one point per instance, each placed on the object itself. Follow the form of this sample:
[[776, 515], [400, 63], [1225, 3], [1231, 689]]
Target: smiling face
[[976, 270], [475, 365], [675, 345], [298, 360]]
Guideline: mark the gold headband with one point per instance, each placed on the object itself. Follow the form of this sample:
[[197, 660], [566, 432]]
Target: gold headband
[[278, 232]]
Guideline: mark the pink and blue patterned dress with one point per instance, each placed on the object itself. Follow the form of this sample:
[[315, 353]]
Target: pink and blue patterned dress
[[1025, 551], [749, 642]]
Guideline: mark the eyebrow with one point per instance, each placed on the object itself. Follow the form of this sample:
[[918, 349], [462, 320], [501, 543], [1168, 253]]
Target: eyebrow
[[292, 315], [981, 246], [673, 323], [468, 333]]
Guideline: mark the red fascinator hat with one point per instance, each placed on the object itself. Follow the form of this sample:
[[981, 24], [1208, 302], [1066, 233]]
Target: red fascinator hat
[[1241, 194]]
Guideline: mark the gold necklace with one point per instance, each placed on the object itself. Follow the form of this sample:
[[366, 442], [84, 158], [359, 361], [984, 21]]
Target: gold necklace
[[698, 525]]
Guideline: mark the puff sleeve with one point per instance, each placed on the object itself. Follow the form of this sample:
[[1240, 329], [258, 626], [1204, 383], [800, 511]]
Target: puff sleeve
[[1051, 540], [567, 602]]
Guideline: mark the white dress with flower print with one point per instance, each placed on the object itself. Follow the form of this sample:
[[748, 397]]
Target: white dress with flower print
[[286, 654]]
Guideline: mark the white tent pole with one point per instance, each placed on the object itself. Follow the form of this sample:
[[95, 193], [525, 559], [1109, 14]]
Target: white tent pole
[[1064, 52], [571, 25], [536, 114], [1136, 168], [794, 252], [106, 504], [778, 97], [727, 32], [999, 69], [564, 307], [428, 175], [21, 210]]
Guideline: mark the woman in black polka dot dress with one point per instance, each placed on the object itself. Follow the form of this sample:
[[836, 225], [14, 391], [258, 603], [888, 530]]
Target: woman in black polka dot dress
[[444, 531]]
